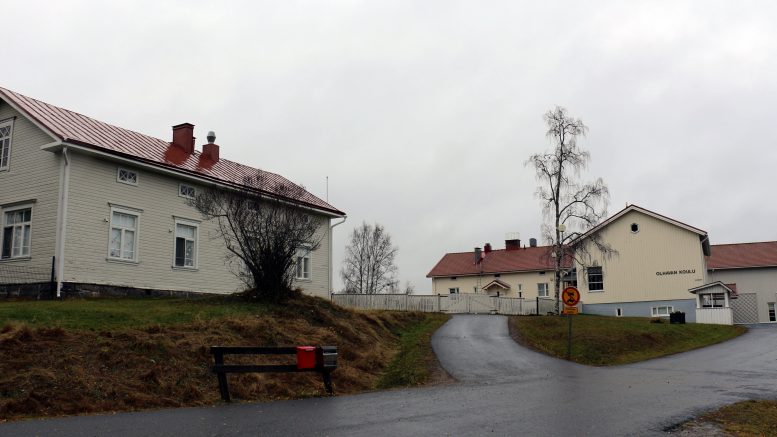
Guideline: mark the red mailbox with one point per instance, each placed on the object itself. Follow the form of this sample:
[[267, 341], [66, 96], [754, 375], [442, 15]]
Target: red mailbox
[[306, 357]]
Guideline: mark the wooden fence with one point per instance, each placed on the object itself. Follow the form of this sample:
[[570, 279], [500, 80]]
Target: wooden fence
[[452, 304]]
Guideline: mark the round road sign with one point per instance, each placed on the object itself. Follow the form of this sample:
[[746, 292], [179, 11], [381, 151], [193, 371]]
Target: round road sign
[[570, 296]]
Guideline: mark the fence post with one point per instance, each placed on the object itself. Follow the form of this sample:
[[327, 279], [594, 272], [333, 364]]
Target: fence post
[[439, 304], [538, 305]]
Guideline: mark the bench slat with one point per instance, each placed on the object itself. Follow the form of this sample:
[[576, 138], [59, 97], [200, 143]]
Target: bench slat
[[237, 350]]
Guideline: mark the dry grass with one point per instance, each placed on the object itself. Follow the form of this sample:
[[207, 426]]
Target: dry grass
[[746, 418], [49, 371]]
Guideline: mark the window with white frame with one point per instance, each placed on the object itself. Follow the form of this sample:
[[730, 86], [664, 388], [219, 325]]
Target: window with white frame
[[542, 289], [618, 312], [123, 238], [127, 176], [6, 131], [662, 311], [453, 290], [17, 225], [186, 191], [772, 317], [303, 263], [570, 278], [185, 245], [713, 300], [595, 278]]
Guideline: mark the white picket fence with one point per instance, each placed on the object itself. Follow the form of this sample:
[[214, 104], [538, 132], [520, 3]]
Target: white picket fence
[[452, 304]]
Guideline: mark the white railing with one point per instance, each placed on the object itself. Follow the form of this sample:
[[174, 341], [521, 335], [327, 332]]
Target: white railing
[[453, 304], [715, 316]]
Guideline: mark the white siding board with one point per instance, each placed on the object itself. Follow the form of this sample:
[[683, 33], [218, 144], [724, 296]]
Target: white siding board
[[630, 276], [760, 281], [32, 174], [93, 188]]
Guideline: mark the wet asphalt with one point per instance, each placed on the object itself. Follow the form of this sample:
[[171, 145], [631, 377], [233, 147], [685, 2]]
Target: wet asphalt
[[503, 389]]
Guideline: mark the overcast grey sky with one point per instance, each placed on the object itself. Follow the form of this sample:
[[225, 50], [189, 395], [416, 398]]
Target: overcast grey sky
[[422, 113]]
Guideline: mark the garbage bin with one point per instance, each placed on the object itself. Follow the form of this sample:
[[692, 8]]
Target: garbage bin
[[677, 317]]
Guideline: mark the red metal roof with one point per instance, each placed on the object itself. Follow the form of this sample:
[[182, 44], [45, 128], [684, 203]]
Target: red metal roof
[[79, 129], [743, 255], [497, 261]]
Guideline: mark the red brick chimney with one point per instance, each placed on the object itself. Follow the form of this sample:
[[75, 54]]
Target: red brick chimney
[[513, 244], [487, 248], [211, 150], [183, 137]]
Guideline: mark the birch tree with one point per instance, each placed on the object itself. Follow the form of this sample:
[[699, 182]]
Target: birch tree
[[570, 207], [368, 266]]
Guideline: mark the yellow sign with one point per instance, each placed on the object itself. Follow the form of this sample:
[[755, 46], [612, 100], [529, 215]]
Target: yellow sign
[[569, 310], [570, 296]]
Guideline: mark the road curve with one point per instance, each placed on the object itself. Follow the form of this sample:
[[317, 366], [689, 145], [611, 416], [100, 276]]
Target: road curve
[[504, 389]]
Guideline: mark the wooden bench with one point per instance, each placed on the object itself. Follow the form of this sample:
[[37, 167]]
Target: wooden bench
[[322, 359]]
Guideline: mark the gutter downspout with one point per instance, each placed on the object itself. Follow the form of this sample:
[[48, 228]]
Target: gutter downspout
[[64, 188], [330, 253]]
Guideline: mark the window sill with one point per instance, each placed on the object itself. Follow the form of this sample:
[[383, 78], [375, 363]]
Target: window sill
[[596, 291], [122, 261], [185, 269], [15, 259], [303, 280]]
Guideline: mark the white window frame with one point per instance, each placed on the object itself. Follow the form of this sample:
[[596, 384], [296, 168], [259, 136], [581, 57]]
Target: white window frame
[[770, 308], [181, 186], [136, 251], [654, 311], [23, 224], [303, 254], [453, 290], [710, 297], [196, 225], [544, 287], [588, 279], [618, 312], [127, 170], [6, 165]]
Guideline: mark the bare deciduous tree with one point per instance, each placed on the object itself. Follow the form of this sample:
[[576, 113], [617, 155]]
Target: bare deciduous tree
[[264, 225], [369, 261], [571, 206]]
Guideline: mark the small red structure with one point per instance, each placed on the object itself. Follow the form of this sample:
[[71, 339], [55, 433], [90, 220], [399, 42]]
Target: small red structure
[[306, 357]]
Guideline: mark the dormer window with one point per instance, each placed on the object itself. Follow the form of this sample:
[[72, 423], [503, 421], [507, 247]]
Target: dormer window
[[126, 176]]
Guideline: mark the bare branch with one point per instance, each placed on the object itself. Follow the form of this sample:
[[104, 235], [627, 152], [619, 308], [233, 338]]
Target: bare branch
[[264, 226], [579, 207]]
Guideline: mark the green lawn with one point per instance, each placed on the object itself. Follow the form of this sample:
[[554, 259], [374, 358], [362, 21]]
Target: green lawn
[[116, 313], [415, 360], [743, 419], [604, 341]]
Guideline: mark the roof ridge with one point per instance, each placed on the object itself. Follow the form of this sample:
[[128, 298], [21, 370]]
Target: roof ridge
[[740, 244], [81, 129]]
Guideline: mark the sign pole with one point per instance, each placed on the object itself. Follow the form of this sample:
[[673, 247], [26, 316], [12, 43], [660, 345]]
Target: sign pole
[[569, 338], [571, 298]]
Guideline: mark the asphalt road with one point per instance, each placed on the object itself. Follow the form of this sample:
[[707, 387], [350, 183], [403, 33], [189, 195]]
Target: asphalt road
[[503, 389]]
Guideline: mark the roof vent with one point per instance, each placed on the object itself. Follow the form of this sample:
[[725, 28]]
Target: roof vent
[[211, 150], [532, 242], [478, 255]]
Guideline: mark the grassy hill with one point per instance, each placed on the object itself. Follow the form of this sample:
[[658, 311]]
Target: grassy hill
[[100, 355], [605, 341]]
